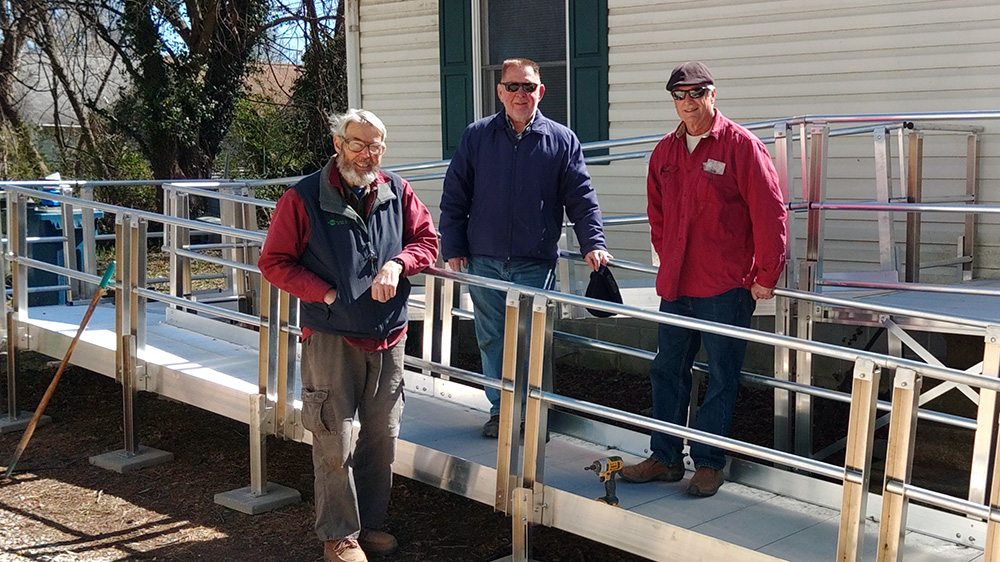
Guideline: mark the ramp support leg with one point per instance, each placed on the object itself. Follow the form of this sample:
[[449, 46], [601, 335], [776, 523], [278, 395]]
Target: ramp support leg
[[261, 496]]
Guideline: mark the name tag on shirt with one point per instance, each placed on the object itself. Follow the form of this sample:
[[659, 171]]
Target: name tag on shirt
[[714, 167]]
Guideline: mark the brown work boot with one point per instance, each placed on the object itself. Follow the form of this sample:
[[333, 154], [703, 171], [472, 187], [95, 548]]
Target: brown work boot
[[705, 482], [343, 550], [377, 543], [652, 469]]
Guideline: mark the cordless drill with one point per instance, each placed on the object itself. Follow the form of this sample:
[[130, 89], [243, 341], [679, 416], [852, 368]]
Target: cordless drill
[[606, 469]]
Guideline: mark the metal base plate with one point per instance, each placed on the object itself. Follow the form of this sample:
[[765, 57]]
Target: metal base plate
[[122, 462], [11, 425], [243, 500]]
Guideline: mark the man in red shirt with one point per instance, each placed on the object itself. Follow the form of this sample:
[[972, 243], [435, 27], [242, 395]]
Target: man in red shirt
[[717, 220], [343, 240]]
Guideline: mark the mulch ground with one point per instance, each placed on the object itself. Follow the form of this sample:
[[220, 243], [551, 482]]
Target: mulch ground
[[59, 508]]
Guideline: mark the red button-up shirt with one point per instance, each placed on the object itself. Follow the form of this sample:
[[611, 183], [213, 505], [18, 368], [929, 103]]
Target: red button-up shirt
[[716, 215]]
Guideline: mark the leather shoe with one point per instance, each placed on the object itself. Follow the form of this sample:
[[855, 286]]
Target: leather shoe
[[377, 543], [652, 469], [343, 550], [705, 482], [491, 428]]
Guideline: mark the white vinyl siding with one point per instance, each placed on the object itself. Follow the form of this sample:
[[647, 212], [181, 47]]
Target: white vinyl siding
[[771, 60], [783, 59]]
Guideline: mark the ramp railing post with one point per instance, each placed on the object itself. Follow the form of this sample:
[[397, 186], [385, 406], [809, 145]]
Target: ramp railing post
[[530, 502], [972, 191], [511, 397], [857, 464], [782, 305], [125, 321], [986, 425], [180, 238], [17, 247], [898, 463], [991, 367], [130, 258], [266, 408], [67, 211], [883, 187], [914, 187], [88, 247], [12, 412], [986, 419], [811, 269], [430, 349]]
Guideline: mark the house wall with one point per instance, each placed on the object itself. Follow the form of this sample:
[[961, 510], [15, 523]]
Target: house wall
[[771, 60]]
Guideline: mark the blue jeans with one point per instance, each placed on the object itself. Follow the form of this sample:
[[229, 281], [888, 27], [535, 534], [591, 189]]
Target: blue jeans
[[490, 306], [670, 374]]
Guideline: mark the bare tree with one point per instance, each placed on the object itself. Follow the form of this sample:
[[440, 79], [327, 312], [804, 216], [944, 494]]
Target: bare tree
[[188, 62], [16, 20]]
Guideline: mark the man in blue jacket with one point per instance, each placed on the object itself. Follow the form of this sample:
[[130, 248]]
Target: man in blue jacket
[[513, 176]]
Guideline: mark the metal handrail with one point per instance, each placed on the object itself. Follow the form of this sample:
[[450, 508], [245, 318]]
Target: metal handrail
[[774, 340], [256, 236]]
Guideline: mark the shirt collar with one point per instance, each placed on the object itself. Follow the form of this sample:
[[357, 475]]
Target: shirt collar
[[527, 128]]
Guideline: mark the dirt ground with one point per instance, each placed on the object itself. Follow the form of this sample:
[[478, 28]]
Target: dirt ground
[[59, 508]]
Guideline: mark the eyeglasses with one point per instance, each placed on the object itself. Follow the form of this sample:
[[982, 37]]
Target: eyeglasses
[[528, 87], [694, 93], [355, 145]]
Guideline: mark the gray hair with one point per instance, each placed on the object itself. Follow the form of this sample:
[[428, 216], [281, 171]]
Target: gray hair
[[339, 122]]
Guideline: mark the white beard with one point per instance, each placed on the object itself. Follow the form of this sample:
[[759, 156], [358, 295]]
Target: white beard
[[352, 177]]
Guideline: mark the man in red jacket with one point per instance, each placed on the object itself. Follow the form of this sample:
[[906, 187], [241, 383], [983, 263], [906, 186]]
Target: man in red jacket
[[343, 240], [717, 220]]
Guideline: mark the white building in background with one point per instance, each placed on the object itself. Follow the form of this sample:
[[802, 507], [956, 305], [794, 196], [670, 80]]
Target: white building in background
[[428, 67]]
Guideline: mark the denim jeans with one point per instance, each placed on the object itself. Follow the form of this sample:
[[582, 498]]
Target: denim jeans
[[670, 374], [490, 307], [339, 381]]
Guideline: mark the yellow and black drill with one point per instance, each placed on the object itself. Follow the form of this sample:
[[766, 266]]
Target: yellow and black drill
[[606, 469]]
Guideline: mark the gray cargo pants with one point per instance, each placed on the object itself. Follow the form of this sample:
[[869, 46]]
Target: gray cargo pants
[[352, 491]]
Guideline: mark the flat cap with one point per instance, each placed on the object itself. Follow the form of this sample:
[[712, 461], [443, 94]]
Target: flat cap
[[691, 73]]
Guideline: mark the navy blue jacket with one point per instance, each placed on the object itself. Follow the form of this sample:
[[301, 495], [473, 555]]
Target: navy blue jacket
[[505, 198]]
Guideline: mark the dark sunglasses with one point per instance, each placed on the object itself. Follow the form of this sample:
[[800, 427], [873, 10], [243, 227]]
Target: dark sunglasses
[[695, 93], [528, 87]]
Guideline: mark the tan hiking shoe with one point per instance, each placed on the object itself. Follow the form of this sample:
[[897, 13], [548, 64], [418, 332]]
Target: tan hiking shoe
[[343, 550], [705, 482], [652, 469], [377, 542]]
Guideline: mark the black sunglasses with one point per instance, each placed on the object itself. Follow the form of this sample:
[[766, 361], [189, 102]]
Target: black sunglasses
[[695, 93], [528, 87]]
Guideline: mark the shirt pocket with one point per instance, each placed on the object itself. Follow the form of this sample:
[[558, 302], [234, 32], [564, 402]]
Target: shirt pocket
[[719, 190]]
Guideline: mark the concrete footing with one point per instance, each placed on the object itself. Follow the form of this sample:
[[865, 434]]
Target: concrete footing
[[243, 500], [10, 424], [122, 462]]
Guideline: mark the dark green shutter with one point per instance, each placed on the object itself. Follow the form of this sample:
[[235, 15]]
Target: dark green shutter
[[588, 67], [456, 71]]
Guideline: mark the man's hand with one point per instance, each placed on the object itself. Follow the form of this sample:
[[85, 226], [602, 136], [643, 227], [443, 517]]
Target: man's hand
[[330, 296], [384, 285], [760, 292], [458, 264], [597, 258]]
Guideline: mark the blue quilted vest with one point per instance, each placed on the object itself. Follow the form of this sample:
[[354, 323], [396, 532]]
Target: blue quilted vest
[[347, 251]]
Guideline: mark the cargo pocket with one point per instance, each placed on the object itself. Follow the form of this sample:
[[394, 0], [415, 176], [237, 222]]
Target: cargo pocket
[[312, 410]]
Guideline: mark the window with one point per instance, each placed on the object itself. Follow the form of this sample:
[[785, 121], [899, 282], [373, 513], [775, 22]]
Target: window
[[576, 90]]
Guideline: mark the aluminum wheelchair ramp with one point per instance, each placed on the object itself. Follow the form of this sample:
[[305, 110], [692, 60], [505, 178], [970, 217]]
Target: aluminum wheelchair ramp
[[440, 444]]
